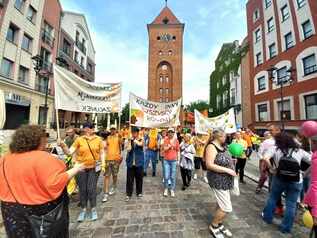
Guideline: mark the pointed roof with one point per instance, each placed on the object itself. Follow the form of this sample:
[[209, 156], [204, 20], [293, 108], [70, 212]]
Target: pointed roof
[[166, 16]]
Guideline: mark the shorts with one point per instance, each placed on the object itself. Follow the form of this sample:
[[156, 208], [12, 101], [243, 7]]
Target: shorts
[[223, 199], [112, 167], [200, 163]]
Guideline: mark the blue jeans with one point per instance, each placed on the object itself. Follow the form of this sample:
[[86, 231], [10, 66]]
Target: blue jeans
[[170, 174], [306, 183], [292, 191], [150, 155]]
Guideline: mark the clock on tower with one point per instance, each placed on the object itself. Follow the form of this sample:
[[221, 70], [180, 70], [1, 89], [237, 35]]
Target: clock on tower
[[165, 82]]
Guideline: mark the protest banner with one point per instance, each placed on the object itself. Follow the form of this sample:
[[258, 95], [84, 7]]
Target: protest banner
[[77, 95], [226, 122], [144, 113]]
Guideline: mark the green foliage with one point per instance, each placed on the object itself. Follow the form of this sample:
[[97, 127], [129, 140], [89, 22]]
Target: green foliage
[[125, 113], [199, 105]]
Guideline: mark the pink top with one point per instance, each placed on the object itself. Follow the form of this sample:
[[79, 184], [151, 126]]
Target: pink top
[[171, 154], [311, 195]]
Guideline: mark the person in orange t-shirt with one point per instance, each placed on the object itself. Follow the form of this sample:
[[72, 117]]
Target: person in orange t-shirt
[[32, 182]]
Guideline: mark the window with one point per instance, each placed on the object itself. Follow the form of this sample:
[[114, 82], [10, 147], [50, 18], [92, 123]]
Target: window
[[76, 57], [42, 115], [166, 91], [263, 112], [218, 101], [281, 75], [257, 35], [46, 60], [309, 64], [225, 98], [160, 52], [233, 96], [311, 106], [170, 52], [19, 4], [31, 15], [270, 24], [217, 85], [77, 36], [6, 68], [66, 47], [89, 68], [259, 58], [82, 61], [48, 34], [167, 100], [166, 79], [224, 80], [288, 40], [161, 91], [256, 15], [272, 50], [301, 3], [268, 3], [23, 75], [161, 100], [174, 38], [12, 34], [261, 83], [285, 13], [307, 29], [27, 43], [286, 113], [164, 67], [161, 79]]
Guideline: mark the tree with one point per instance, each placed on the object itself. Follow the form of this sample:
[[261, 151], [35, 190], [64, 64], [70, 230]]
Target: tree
[[125, 113], [199, 105]]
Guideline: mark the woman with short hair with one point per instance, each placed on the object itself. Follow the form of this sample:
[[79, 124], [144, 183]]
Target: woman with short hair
[[220, 177], [32, 182]]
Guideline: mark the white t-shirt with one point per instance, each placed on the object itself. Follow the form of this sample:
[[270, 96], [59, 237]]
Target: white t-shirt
[[298, 154], [265, 146]]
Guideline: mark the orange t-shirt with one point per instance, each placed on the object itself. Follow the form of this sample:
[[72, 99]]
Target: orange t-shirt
[[171, 154], [247, 138], [113, 148], [35, 178]]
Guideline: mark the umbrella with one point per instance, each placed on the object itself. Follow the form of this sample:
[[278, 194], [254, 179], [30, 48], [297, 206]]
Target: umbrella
[[2, 109]]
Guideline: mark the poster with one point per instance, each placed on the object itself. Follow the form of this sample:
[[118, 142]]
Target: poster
[[226, 121], [77, 95], [144, 113]]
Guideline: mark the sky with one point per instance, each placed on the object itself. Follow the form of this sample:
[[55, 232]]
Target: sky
[[119, 34]]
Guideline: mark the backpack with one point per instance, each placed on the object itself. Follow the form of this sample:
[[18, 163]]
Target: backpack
[[288, 168]]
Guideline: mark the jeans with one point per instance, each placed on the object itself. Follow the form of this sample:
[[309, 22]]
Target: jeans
[[150, 155], [87, 184], [306, 183], [134, 174], [170, 174], [292, 191]]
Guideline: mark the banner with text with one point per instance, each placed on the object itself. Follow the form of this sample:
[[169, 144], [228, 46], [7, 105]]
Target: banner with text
[[144, 113], [226, 121], [75, 94]]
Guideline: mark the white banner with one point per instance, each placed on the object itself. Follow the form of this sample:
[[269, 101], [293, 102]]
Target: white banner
[[75, 94], [144, 113], [225, 121]]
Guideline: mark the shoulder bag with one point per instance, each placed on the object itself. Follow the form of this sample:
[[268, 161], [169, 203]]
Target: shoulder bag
[[98, 166], [47, 225]]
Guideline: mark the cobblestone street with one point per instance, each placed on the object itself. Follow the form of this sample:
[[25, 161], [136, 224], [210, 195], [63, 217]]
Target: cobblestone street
[[187, 215]]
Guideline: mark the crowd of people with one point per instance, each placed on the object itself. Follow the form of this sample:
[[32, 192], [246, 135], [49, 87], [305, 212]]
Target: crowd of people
[[33, 181]]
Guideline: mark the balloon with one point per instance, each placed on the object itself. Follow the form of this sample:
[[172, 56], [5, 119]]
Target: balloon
[[309, 128], [308, 220], [235, 149]]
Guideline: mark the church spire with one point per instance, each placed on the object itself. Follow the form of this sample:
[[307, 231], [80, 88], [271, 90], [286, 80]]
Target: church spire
[[165, 3]]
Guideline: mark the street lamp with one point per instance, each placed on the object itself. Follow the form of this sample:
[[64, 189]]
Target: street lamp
[[42, 71], [281, 81]]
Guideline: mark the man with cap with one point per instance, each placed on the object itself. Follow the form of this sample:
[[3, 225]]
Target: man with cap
[[71, 136], [111, 163], [135, 163], [171, 149]]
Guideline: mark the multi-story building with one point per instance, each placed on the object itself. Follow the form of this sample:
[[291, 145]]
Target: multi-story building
[[19, 40], [282, 39], [77, 51], [225, 81]]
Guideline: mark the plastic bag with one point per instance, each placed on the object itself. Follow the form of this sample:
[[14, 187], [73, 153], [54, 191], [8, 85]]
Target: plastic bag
[[235, 191]]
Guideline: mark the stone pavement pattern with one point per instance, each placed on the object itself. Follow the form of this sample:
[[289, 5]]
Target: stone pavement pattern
[[187, 215]]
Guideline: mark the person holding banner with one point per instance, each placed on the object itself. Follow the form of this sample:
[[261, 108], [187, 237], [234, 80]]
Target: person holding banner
[[135, 163], [88, 150], [151, 143], [171, 149], [111, 163]]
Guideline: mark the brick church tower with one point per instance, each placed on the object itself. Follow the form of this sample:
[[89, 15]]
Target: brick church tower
[[165, 57]]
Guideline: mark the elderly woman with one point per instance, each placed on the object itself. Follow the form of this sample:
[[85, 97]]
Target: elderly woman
[[32, 182], [89, 150]]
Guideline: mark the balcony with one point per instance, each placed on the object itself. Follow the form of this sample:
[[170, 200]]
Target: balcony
[[310, 70], [81, 46], [47, 66], [47, 38]]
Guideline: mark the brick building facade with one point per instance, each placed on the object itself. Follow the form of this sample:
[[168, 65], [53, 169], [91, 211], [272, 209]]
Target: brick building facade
[[165, 82], [282, 37]]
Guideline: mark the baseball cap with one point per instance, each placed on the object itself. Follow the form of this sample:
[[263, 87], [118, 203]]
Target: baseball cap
[[88, 125], [171, 129]]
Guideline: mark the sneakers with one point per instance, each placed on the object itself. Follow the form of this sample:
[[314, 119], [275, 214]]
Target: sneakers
[[172, 193], [105, 198], [184, 188], [94, 215], [195, 176], [165, 194], [112, 191], [225, 231], [205, 179], [153, 174], [127, 199], [82, 215], [140, 195], [216, 232]]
